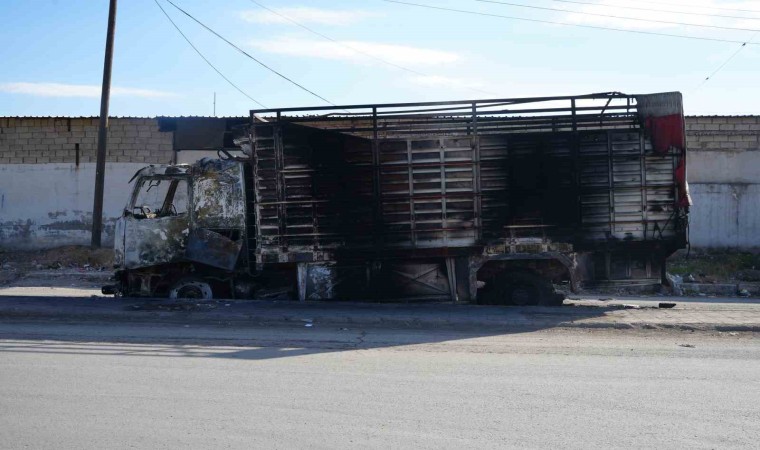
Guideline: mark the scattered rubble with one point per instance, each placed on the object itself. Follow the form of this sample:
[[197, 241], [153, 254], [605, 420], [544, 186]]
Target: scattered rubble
[[78, 257], [716, 267], [77, 267]]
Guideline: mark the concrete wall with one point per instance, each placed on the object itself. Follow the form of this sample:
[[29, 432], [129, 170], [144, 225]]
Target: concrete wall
[[724, 177], [48, 205], [725, 215], [46, 197]]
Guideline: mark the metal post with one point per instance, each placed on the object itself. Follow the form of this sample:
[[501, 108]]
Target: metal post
[[100, 167]]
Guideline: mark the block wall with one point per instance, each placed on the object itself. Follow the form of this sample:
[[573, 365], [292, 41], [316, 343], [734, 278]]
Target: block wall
[[75, 140]]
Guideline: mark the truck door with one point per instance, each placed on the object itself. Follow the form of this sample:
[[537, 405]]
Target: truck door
[[156, 222]]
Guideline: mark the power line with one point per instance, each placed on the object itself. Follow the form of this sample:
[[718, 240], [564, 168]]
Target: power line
[[595, 27], [578, 2], [733, 55], [249, 56], [616, 17], [204, 58], [697, 6], [352, 48]]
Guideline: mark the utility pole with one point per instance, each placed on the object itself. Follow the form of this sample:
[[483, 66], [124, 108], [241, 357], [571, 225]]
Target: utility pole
[[214, 104], [100, 166]]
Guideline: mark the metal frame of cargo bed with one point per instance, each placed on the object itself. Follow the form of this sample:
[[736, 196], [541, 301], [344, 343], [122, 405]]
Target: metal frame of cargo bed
[[471, 117]]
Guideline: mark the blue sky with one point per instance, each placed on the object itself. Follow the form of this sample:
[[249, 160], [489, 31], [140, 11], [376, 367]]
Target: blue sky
[[52, 54]]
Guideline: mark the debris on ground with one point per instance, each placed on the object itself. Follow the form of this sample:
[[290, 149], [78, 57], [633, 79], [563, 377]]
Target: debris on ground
[[69, 257], [666, 305], [715, 267], [177, 306], [686, 345]]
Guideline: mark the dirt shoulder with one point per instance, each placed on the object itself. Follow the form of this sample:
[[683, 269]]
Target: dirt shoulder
[[67, 257], [715, 267]]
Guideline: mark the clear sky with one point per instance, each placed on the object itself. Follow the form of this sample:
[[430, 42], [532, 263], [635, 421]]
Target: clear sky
[[51, 57]]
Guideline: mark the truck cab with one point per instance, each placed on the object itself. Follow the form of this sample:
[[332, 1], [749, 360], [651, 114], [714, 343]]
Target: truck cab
[[182, 226]]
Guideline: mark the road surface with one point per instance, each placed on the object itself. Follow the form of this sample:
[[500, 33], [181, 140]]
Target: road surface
[[299, 386]]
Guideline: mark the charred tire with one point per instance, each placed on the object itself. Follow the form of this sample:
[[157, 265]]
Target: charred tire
[[191, 288], [528, 288]]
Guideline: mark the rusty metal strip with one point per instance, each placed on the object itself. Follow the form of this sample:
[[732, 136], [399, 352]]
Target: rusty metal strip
[[412, 212], [478, 207], [611, 182], [376, 187], [442, 171], [643, 163], [280, 183]]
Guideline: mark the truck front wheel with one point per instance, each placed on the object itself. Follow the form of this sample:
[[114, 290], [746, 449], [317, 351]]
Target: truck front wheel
[[191, 288]]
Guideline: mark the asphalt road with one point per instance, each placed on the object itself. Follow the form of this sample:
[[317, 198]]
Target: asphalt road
[[153, 386]]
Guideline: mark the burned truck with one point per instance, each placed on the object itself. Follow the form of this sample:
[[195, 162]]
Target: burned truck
[[487, 201]]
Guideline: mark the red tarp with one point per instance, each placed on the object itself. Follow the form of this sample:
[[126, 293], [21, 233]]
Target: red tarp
[[666, 132]]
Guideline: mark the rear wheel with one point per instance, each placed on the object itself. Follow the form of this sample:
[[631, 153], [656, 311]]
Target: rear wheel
[[522, 294], [521, 289], [191, 288]]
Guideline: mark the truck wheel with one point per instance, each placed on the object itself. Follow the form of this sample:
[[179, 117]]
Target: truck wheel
[[191, 288], [555, 299], [521, 295], [526, 288]]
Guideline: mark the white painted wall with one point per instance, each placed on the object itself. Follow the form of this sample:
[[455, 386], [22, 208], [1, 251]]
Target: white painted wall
[[725, 190], [48, 205], [725, 215], [723, 166]]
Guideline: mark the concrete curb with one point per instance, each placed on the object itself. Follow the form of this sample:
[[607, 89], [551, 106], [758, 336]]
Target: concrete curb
[[403, 316]]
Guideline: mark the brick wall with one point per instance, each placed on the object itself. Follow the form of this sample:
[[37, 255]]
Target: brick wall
[[710, 133], [55, 140]]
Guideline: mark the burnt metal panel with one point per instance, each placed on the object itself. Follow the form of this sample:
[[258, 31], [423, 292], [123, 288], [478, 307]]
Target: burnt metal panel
[[213, 249], [472, 175], [149, 242], [218, 195], [201, 133]]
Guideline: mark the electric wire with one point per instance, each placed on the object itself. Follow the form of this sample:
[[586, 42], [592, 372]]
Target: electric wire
[[354, 49], [638, 8], [249, 55], [553, 22], [697, 6], [206, 59], [612, 16], [725, 63]]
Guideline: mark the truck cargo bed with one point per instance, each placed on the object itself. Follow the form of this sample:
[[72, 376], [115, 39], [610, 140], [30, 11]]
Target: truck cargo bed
[[447, 178]]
